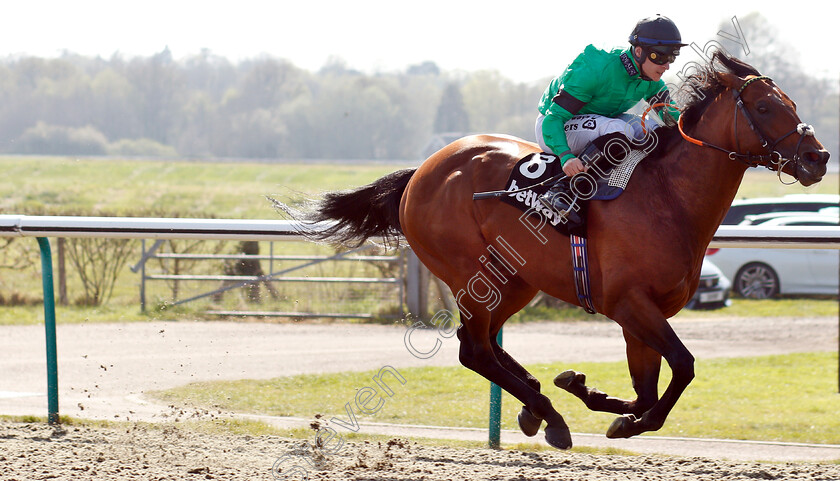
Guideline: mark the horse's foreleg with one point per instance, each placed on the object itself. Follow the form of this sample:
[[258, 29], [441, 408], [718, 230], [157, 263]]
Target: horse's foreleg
[[644, 364], [477, 353], [647, 325]]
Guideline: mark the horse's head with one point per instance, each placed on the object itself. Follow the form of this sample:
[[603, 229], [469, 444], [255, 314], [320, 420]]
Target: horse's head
[[766, 129], [766, 124]]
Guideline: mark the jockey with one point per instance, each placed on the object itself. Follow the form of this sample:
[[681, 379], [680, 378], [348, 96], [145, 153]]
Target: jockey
[[584, 109]]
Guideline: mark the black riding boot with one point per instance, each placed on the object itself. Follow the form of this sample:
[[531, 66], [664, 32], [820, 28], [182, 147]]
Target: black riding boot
[[561, 199]]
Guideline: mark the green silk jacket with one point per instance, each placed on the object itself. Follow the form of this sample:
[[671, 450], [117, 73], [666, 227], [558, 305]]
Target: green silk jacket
[[596, 82]]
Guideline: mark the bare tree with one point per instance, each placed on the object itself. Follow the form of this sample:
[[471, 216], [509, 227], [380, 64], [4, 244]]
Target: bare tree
[[98, 263]]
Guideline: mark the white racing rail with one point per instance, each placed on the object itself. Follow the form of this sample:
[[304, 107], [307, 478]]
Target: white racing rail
[[150, 228], [777, 237], [238, 229]]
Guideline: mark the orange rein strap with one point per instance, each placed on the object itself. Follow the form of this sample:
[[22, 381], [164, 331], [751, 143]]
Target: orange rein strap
[[732, 155], [686, 137], [679, 126]]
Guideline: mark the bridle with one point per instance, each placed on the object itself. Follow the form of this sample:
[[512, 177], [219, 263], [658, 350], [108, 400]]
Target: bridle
[[772, 158]]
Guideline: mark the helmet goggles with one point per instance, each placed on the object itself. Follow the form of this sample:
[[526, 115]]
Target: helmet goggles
[[662, 54]]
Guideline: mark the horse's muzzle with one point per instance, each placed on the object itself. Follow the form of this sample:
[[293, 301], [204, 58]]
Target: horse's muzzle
[[811, 166]]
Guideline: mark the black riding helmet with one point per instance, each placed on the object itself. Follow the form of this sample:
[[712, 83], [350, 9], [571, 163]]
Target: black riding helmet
[[659, 38]]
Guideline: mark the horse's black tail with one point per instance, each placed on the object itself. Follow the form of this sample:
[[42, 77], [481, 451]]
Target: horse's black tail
[[351, 217]]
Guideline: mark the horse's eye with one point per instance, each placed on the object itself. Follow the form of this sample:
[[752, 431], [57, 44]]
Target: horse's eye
[[762, 108]]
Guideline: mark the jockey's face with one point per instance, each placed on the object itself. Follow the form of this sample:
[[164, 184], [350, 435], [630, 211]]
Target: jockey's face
[[650, 69]]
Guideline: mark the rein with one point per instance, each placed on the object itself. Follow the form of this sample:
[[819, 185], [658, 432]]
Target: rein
[[772, 157]]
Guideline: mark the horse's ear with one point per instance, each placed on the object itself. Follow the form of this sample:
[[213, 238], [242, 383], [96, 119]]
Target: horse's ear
[[730, 80]]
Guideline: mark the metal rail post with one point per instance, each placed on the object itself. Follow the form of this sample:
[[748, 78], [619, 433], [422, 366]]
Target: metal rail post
[[496, 409], [143, 276], [49, 325]]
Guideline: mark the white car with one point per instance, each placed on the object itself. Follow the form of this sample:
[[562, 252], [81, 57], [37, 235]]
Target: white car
[[741, 208], [765, 273]]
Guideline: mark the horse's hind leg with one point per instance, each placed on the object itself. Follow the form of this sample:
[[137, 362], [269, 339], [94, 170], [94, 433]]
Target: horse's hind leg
[[644, 364], [486, 299], [479, 353], [528, 423]]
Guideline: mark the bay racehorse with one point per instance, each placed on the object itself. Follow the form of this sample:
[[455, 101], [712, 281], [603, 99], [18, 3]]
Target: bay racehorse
[[645, 247]]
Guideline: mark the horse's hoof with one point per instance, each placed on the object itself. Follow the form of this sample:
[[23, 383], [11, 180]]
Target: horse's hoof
[[620, 428], [565, 379], [528, 423], [558, 437]]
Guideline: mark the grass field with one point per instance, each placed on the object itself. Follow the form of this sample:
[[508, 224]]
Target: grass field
[[67, 186], [789, 398]]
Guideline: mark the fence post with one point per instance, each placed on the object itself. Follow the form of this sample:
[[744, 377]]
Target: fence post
[[62, 273], [49, 325], [417, 287], [495, 440]]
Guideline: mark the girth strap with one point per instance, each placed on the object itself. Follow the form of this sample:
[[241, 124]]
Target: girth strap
[[580, 267]]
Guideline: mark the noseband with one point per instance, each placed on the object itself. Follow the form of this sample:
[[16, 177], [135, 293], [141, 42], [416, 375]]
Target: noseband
[[772, 158]]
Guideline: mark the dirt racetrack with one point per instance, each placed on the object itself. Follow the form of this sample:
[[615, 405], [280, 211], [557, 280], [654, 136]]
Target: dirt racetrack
[[105, 368], [37, 452]]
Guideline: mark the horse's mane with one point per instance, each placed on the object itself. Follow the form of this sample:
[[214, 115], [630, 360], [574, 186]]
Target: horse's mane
[[698, 91], [702, 87]]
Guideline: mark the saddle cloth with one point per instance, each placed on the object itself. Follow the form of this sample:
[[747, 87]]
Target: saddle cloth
[[537, 167]]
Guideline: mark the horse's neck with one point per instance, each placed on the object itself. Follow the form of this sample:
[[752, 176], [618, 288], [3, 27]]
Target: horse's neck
[[703, 184], [706, 180]]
